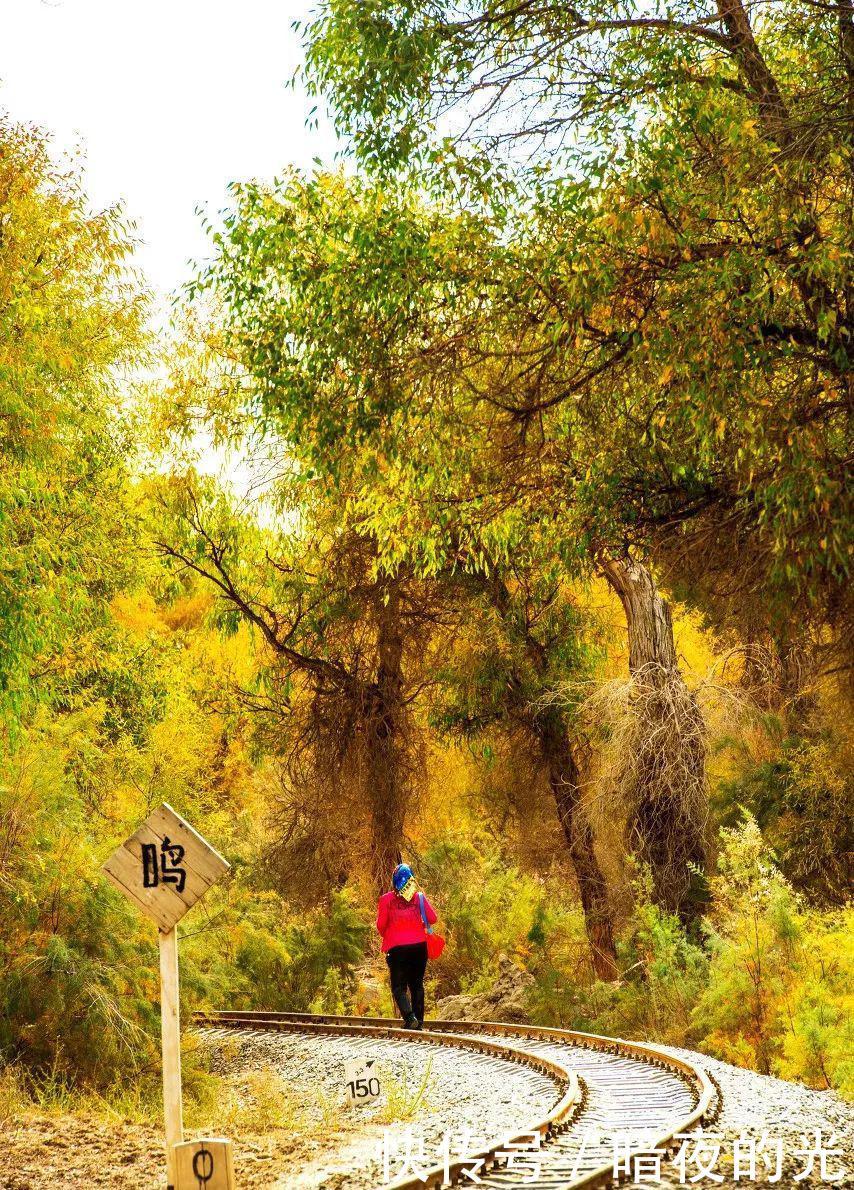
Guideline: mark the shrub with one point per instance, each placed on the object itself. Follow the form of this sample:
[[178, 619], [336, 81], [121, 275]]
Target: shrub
[[778, 993]]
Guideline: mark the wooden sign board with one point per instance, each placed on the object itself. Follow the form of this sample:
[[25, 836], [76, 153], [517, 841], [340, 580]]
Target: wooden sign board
[[204, 1165], [165, 867]]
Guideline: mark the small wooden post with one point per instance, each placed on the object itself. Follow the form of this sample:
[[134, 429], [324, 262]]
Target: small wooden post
[[171, 1046], [204, 1164]]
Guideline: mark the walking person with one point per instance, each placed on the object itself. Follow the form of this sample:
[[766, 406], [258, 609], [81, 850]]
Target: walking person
[[403, 918]]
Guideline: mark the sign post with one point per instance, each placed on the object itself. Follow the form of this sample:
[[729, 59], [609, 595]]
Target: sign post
[[170, 1042], [164, 868]]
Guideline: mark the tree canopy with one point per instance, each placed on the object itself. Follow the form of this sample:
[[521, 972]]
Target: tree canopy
[[673, 216], [71, 318]]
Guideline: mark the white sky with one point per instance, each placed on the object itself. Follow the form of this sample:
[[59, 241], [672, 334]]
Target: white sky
[[170, 100]]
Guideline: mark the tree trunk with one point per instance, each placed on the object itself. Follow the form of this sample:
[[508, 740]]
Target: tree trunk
[[795, 669], [550, 731], [385, 749], [650, 624], [662, 774], [592, 887]]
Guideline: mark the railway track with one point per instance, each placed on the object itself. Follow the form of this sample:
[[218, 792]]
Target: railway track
[[606, 1088]]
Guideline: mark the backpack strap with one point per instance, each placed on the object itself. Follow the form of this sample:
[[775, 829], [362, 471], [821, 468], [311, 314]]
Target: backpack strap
[[427, 927]]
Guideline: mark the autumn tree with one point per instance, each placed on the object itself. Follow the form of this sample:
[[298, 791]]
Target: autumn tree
[[679, 181], [398, 327], [73, 696], [526, 644], [342, 650], [692, 167], [71, 317]]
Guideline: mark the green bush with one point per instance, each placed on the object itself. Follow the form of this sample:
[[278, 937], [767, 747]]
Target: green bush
[[778, 997], [77, 979], [802, 797]]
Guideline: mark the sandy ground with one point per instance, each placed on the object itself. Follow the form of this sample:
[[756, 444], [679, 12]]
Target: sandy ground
[[49, 1152]]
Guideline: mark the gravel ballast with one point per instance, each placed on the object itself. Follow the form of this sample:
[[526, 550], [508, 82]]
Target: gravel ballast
[[469, 1098], [755, 1104], [494, 1097]]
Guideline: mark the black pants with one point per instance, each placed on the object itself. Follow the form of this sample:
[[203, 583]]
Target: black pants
[[407, 965]]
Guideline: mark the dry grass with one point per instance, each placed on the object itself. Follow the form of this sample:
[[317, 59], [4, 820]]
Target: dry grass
[[403, 1098], [649, 735], [258, 1102], [13, 1095]]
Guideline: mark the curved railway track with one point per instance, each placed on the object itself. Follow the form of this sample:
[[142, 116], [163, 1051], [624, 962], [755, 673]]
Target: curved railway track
[[606, 1088]]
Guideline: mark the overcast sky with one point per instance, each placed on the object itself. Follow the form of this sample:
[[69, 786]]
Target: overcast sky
[[170, 99]]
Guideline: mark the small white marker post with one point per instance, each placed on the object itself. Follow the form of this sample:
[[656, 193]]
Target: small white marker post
[[361, 1080], [164, 868]]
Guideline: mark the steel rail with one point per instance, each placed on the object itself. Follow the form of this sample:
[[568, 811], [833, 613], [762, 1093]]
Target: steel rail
[[462, 1033]]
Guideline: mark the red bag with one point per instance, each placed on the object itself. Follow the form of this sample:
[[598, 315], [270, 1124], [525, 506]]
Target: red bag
[[435, 942]]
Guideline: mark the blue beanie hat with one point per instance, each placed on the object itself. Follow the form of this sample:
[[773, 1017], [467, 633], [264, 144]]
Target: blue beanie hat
[[400, 875]]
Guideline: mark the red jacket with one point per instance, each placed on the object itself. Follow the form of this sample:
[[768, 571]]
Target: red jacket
[[400, 922]]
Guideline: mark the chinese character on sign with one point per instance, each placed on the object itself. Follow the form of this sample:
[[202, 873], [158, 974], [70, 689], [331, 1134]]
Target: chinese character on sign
[[164, 867], [169, 870]]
